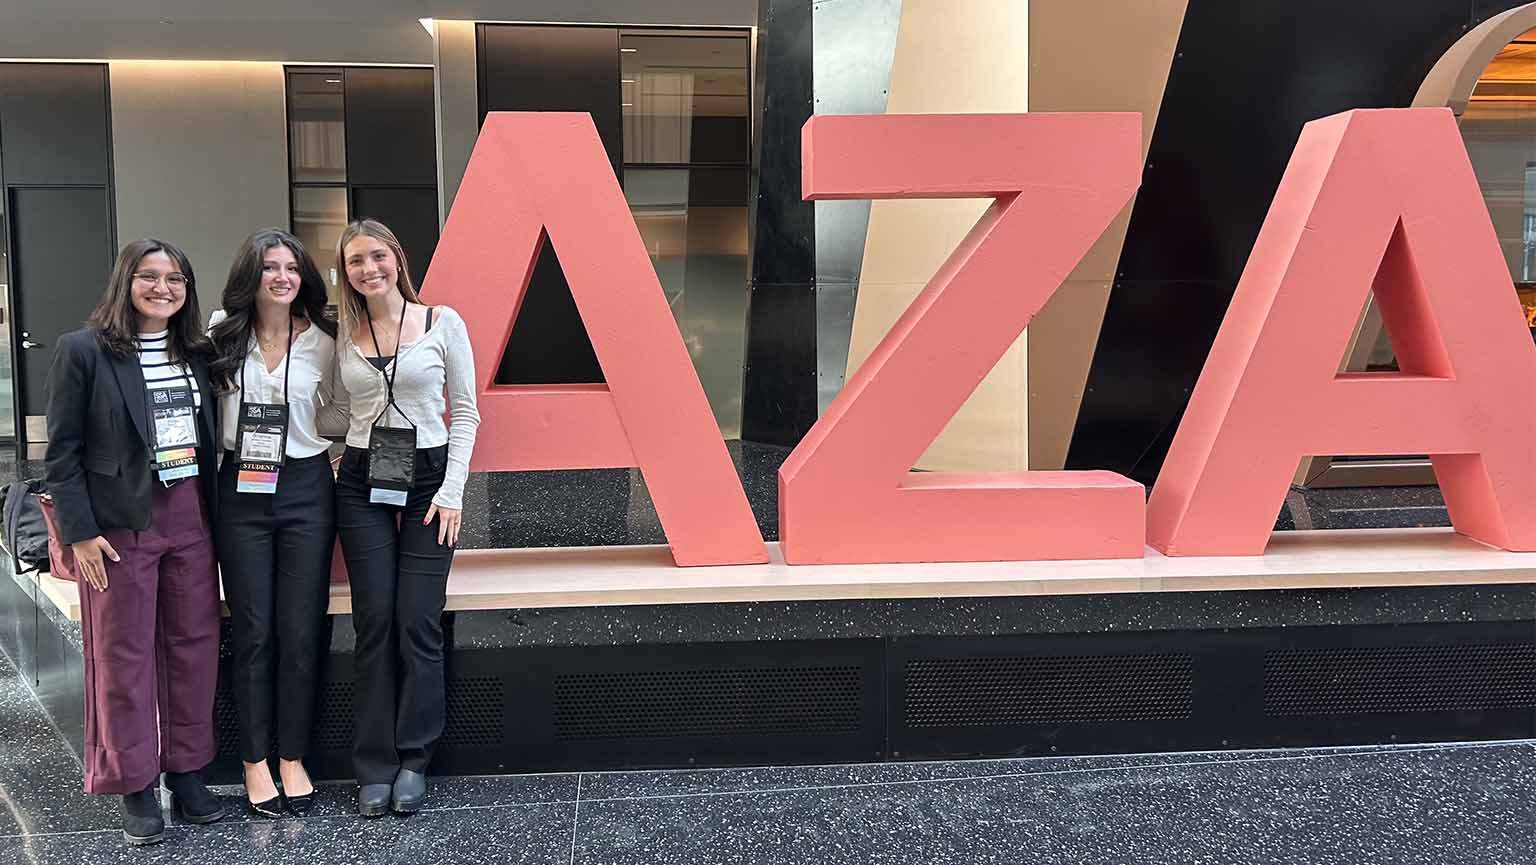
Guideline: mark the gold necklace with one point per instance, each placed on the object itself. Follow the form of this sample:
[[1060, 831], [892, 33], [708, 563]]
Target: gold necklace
[[266, 344]]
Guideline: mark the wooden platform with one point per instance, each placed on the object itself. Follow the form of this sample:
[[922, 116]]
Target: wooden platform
[[617, 576]]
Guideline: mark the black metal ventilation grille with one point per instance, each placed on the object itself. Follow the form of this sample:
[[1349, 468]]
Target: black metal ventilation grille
[[477, 711], [227, 725], [333, 718], [1353, 681], [716, 702], [995, 692]]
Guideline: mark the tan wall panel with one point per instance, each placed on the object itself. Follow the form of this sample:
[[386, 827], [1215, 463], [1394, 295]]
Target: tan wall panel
[[456, 89], [1088, 55], [956, 56], [200, 158], [1451, 81]]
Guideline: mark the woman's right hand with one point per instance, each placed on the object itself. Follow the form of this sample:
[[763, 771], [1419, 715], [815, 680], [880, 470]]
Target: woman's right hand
[[88, 560]]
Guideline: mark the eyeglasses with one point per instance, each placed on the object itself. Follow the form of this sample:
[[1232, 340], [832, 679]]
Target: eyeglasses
[[175, 281]]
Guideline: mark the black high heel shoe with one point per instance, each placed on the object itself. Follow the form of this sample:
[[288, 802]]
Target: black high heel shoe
[[300, 806], [269, 808], [273, 807]]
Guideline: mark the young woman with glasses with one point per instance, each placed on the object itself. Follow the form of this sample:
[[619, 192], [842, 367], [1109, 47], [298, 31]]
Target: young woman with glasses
[[130, 467]]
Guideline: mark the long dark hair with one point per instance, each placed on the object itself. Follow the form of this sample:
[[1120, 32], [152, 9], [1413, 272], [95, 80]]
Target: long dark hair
[[116, 322], [232, 336]]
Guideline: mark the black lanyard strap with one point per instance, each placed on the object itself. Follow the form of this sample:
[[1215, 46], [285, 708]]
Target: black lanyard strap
[[393, 367], [287, 368]]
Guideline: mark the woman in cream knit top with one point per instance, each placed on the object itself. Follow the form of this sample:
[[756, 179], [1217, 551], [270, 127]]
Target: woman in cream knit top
[[421, 369], [399, 502]]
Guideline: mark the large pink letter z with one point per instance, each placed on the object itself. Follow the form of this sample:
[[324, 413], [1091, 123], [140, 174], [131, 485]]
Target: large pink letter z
[[847, 493]]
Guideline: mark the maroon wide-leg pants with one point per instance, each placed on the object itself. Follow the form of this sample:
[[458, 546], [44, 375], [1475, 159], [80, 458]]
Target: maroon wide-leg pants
[[152, 648]]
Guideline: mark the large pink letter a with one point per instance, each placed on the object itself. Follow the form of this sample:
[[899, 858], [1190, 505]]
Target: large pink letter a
[[1378, 201], [538, 176]]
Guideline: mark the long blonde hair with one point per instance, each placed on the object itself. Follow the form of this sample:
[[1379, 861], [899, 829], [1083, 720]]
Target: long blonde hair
[[351, 307]]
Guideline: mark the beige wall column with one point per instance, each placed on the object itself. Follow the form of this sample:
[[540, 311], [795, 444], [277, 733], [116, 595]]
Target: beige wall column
[[952, 56], [199, 158], [456, 88], [1088, 55]]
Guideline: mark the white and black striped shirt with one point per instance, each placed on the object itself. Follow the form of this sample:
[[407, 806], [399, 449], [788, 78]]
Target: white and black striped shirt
[[159, 370]]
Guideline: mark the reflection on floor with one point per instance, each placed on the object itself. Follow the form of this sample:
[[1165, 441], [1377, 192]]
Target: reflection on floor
[[1432, 804]]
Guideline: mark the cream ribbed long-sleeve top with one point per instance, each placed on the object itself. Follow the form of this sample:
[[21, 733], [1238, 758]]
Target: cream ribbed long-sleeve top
[[434, 376]]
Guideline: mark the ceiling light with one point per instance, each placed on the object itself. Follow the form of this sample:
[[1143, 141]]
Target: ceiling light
[[426, 24]]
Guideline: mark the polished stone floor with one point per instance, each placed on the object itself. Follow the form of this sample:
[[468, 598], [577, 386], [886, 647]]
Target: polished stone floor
[[1434, 804]]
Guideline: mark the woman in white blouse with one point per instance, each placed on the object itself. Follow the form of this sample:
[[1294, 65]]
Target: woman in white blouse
[[398, 505], [275, 370]]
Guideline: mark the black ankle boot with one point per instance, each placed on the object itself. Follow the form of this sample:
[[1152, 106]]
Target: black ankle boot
[[373, 800], [192, 799], [142, 821], [408, 791]]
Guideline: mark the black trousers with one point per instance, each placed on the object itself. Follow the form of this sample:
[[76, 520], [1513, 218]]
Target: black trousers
[[399, 576], [275, 558]]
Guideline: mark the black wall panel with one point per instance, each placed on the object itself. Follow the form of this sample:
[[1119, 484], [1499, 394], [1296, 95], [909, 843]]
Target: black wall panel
[[391, 127], [548, 344], [564, 68], [779, 398], [779, 388], [526, 68], [718, 187], [56, 166], [411, 213], [1246, 77], [54, 124], [718, 139]]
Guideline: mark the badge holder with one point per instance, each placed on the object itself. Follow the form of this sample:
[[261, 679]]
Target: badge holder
[[173, 420], [261, 435], [391, 451], [263, 438], [391, 464]]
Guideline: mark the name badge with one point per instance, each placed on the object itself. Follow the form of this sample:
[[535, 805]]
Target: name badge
[[262, 434], [391, 465], [173, 419]]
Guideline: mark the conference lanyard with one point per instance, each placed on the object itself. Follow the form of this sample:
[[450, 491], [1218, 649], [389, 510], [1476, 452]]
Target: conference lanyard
[[173, 423], [391, 451], [261, 432]]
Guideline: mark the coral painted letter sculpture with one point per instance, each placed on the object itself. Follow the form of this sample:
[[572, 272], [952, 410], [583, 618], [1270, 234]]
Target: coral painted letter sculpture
[[1381, 200], [847, 493], [538, 176]]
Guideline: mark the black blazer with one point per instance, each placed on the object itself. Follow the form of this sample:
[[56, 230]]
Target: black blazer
[[98, 463]]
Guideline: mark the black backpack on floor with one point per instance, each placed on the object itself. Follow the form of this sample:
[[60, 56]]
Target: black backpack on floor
[[26, 534]]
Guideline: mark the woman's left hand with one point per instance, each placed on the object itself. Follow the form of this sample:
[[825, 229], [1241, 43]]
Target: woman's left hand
[[447, 525]]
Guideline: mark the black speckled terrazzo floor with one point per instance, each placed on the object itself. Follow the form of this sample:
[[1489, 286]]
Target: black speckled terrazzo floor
[[1433, 804]]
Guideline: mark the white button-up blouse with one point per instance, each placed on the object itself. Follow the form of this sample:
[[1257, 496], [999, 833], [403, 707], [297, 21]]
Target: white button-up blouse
[[313, 409]]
